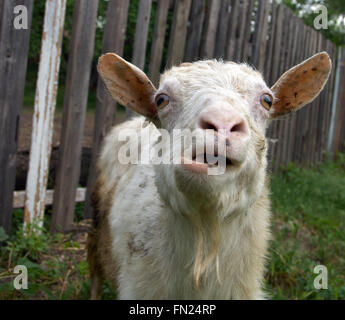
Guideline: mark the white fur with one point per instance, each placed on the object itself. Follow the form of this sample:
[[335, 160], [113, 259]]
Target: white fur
[[153, 208]]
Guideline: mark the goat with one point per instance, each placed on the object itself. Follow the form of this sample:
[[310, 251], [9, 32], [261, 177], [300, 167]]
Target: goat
[[173, 231]]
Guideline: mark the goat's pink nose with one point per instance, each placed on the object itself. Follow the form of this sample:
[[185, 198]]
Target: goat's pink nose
[[231, 123]]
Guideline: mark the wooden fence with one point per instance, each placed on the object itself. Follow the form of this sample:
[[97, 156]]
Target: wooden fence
[[260, 32]]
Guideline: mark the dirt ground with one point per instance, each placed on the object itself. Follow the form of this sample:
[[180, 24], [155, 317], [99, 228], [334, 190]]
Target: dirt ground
[[25, 129]]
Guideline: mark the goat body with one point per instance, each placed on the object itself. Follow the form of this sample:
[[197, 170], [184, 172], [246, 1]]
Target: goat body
[[168, 231]]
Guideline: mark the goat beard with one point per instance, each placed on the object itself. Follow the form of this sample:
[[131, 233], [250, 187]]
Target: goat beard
[[207, 238]]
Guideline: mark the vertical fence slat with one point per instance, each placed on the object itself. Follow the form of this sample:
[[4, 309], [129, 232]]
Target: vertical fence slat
[[158, 41], [140, 39], [178, 32], [43, 119], [299, 114], [293, 61], [240, 27], [284, 140], [14, 46], [113, 41], [261, 35], [268, 77], [222, 30], [74, 109], [281, 68], [197, 16], [340, 110], [233, 21], [141, 32], [331, 94], [247, 31], [277, 41], [210, 30]]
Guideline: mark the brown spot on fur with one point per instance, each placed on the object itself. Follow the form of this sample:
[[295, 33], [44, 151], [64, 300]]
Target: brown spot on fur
[[135, 246], [101, 263], [140, 81]]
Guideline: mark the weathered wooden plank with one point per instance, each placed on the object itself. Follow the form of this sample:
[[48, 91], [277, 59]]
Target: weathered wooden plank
[[318, 116], [282, 123], [141, 32], [197, 16], [277, 43], [263, 38], [312, 109], [292, 62], [158, 41], [300, 114], [14, 46], [116, 23], [178, 32], [337, 142], [276, 71], [271, 43], [45, 100], [232, 29], [140, 39], [19, 197], [333, 97], [268, 78], [210, 30], [241, 26], [306, 127], [247, 31], [326, 106], [222, 30], [287, 63], [74, 109], [331, 92]]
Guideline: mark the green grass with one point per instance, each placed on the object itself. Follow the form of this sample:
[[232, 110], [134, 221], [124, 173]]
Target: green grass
[[308, 227]]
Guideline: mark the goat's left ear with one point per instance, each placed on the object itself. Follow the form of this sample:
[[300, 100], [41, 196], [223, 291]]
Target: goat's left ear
[[301, 84], [128, 85]]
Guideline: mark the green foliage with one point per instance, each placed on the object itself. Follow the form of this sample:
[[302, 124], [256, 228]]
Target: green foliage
[[3, 235], [308, 230], [57, 267], [336, 9]]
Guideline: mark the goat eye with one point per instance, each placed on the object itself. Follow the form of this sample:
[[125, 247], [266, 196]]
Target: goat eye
[[162, 100], [266, 101]]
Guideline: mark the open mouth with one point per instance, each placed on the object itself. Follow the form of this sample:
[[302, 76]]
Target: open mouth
[[202, 162]]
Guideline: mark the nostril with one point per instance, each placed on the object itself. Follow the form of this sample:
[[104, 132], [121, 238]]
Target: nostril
[[208, 125], [239, 127]]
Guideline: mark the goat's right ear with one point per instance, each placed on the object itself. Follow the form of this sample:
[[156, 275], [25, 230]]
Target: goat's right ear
[[128, 85]]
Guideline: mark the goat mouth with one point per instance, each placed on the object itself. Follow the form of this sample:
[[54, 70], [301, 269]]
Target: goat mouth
[[202, 162]]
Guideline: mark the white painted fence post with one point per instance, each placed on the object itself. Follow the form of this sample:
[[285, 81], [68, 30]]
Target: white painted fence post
[[43, 120]]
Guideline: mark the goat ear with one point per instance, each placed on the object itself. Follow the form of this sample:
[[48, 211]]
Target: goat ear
[[128, 85], [301, 84]]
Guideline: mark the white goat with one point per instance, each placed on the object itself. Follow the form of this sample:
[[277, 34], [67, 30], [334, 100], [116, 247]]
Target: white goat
[[173, 231]]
